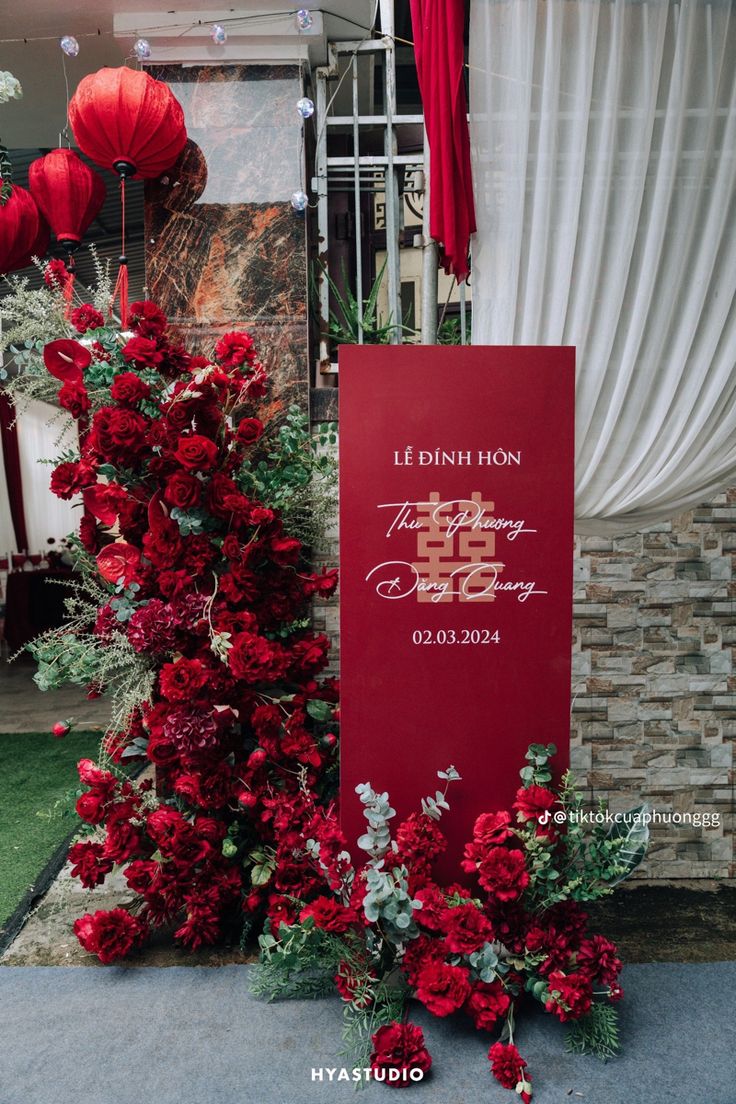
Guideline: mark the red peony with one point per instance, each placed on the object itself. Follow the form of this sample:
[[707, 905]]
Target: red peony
[[109, 935], [86, 318], [398, 1050], [182, 680], [235, 349], [196, 453], [442, 988], [329, 915], [503, 874], [146, 318], [142, 351]]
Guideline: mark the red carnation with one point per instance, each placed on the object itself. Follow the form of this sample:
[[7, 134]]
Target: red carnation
[[69, 478], [146, 318], [508, 1067], [466, 929], [503, 874], [487, 1003], [532, 801], [89, 864], [235, 349], [109, 935], [398, 1049], [56, 274], [329, 915], [74, 398], [196, 453], [86, 318], [570, 995], [442, 988]]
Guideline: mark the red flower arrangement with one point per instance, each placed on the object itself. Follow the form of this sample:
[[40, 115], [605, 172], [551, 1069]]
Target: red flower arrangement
[[204, 602]]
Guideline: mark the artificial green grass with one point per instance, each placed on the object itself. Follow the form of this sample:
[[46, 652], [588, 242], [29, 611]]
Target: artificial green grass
[[37, 775]]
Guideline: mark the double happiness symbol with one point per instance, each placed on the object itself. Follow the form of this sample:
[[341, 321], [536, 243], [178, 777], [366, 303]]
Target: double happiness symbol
[[462, 558]]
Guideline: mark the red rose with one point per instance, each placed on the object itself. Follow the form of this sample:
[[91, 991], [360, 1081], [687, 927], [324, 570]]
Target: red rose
[[466, 929], [508, 1067], [532, 801], [116, 433], [91, 808], [86, 318], [196, 453], [182, 680], [183, 490], [129, 389], [503, 874], [118, 561], [442, 988], [142, 350], [74, 398], [329, 915], [109, 935], [249, 430], [570, 995], [487, 1003], [235, 349], [398, 1049]]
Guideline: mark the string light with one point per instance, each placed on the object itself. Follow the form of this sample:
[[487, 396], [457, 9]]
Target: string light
[[69, 45], [142, 49], [304, 19], [218, 34], [305, 107], [300, 201]]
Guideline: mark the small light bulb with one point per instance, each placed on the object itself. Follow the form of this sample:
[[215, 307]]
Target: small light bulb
[[305, 107], [142, 49], [219, 34], [69, 45], [300, 201], [304, 19]]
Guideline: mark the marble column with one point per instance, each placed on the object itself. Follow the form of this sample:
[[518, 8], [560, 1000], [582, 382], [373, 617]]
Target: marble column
[[224, 248]]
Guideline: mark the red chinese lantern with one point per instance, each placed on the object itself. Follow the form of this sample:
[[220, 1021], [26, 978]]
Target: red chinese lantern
[[69, 194], [126, 121], [23, 232]]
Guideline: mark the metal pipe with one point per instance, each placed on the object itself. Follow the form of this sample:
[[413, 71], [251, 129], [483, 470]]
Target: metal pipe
[[356, 200], [323, 225], [430, 256], [461, 289]]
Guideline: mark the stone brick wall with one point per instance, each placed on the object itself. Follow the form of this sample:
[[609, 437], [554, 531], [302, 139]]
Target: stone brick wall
[[653, 688]]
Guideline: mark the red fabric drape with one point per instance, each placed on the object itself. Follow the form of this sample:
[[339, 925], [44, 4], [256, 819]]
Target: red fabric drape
[[11, 457], [438, 50]]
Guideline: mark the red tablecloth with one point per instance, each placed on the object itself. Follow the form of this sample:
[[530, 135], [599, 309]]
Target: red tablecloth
[[33, 604]]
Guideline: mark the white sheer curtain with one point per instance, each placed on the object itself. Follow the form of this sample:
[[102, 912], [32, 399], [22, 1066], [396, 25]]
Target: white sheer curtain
[[40, 428], [604, 157]]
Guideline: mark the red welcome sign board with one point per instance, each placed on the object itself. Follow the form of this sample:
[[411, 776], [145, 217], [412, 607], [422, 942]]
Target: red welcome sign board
[[456, 543]]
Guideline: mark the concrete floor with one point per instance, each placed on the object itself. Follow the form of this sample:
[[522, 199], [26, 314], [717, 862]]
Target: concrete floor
[[25, 708]]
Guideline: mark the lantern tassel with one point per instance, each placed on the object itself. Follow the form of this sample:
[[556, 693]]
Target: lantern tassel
[[120, 291], [69, 288]]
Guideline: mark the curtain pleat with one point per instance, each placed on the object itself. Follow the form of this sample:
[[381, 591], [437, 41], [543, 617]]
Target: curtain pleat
[[603, 138]]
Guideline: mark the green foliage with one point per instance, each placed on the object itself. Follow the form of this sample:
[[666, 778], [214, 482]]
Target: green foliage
[[596, 1033], [389, 997], [300, 963], [538, 772], [297, 476]]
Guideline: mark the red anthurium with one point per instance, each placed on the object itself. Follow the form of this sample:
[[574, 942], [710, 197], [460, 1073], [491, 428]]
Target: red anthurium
[[118, 561], [66, 359], [158, 515], [98, 501]]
